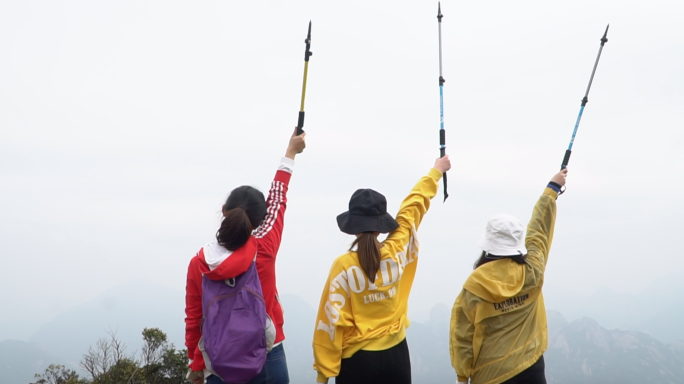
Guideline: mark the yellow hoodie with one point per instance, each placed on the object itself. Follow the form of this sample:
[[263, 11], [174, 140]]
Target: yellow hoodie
[[498, 323], [356, 314]]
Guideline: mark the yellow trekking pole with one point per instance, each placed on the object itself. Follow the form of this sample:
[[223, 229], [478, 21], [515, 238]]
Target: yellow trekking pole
[[307, 54]]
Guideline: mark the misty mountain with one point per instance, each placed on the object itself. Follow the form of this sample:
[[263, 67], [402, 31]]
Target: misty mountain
[[580, 351], [584, 352], [657, 311], [300, 318], [125, 310], [20, 361], [429, 348]]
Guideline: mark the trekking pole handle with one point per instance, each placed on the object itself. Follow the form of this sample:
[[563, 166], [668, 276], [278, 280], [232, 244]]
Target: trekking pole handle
[[300, 123], [566, 159]]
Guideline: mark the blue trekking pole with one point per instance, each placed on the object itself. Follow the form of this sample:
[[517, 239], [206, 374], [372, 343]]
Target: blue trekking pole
[[585, 100], [442, 132]]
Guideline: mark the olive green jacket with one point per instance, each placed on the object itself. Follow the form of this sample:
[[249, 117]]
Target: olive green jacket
[[498, 322]]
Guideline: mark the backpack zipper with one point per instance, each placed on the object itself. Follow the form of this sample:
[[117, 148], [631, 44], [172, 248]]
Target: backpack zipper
[[229, 295]]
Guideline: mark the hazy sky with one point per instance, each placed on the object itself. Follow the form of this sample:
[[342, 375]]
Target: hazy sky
[[124, 125]]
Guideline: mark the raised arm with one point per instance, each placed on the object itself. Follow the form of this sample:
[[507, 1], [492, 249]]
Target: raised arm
[[270, 231], [541, 225], [416, 204]]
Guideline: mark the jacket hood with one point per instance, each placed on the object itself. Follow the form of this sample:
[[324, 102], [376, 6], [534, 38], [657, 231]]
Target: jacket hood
[[497, 280], [218, 263]]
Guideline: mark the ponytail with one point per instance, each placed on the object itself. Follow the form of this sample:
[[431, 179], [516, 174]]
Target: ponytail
[[368, 249], [243, 211], [235, 229]]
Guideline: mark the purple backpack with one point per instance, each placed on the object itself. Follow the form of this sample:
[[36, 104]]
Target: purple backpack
[[236, 330]]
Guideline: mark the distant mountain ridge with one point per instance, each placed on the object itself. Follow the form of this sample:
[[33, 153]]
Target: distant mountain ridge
[[21, 360], [580, 351], [584, 352], [429, 348], [125, 310], [657, 311]]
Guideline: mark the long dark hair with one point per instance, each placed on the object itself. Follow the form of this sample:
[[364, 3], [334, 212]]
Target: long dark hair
[[243, 211], [368, 249], [486, 258]]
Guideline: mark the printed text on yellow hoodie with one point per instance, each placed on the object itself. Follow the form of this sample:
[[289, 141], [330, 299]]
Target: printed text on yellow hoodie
[[356, 314], [498, 323]]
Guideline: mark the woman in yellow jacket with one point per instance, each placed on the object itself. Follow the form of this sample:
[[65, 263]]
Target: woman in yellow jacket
[[498, 323], [361, 324]]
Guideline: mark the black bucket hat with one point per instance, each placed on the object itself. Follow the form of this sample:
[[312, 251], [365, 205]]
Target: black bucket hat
[[367, 213]]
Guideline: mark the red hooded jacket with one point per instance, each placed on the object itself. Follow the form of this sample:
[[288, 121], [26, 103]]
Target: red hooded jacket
[[265, 242]]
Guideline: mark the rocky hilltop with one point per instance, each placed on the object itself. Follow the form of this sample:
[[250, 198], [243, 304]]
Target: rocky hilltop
[[584, 352]]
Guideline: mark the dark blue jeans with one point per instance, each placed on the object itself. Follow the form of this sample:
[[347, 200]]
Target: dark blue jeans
[[274, 371]]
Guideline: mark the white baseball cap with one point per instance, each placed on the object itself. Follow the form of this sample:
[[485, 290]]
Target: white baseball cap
[[504, 236]]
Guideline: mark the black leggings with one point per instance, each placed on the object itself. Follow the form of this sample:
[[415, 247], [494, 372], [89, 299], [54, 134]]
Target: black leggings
[[377, 367], [532, 375]]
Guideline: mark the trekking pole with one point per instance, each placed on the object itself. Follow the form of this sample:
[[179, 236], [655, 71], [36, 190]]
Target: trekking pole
[[307, 54], [442, 132], [585, 100]]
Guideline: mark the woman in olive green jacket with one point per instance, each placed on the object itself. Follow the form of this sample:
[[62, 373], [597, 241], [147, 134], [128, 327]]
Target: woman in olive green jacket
[[498, 323]]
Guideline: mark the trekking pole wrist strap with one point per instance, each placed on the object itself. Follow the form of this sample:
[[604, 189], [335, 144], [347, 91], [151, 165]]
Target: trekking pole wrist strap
[[556, 187]]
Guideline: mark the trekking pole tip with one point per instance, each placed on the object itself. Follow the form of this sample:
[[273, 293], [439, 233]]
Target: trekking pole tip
[[439, 12], [604, 39], [307, 41]]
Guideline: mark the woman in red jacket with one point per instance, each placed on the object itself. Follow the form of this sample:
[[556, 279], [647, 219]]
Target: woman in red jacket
[[251, 226]]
